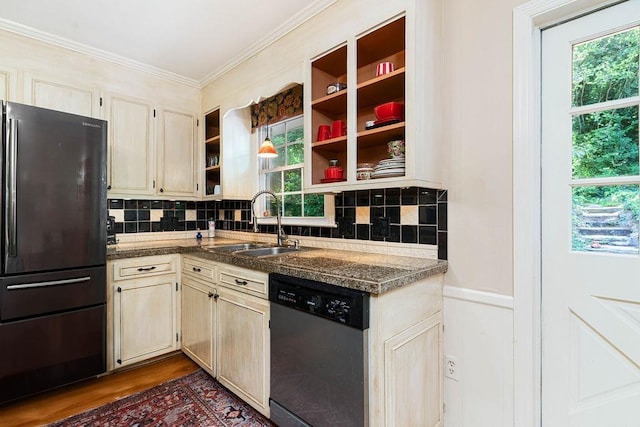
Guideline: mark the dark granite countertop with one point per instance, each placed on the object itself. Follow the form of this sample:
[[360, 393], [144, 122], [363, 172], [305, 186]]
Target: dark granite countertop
[[369, 272]]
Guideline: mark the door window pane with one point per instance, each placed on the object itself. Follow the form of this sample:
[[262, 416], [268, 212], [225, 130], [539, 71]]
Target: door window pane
[[605, 219], [605, 143], [606, 68]]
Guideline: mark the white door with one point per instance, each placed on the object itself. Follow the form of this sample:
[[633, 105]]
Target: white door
[[590, 181]]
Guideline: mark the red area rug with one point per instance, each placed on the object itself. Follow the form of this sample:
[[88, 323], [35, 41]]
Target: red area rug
[[195, 400]]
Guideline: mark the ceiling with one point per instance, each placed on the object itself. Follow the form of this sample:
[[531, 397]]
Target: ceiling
[[189, 40]]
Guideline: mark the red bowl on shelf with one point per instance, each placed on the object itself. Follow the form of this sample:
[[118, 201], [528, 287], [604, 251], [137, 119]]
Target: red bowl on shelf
[[389, 111]]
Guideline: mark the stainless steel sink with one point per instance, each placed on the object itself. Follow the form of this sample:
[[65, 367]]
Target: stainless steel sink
[[237, 247], [270, 251]]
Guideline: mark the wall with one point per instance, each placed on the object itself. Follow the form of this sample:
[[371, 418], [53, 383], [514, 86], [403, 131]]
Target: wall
[[478, 304], [478, 133]]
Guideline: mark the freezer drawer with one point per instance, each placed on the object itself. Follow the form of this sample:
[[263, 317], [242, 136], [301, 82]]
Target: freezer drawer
[[50, 351], [38, 294]]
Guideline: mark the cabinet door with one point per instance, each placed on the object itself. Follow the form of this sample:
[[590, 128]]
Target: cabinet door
[[8, 79], [130, 146], [412, 385], [239, 164], [198, 316], [61, 96], [243, 347], [145, 319], [176, 154]]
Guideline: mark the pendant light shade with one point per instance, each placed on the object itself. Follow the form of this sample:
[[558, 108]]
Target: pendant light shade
[[267, 149]]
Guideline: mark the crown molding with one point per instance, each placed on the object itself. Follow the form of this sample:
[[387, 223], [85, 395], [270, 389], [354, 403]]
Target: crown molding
[[282, 30]]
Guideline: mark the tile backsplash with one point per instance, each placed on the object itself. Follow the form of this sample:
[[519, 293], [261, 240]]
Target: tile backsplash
[[405, 215]]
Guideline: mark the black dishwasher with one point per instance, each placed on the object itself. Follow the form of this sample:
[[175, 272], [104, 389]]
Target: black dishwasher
[[318, 353]]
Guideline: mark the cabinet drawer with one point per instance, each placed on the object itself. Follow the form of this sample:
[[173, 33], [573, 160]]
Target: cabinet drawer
[[200, 268], [244, 280], [144, 267]]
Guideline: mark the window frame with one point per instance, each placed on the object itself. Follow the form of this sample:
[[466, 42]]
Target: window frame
[[328, 220]]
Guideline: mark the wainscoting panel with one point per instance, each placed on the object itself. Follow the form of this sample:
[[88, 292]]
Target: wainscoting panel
[[478, 339]]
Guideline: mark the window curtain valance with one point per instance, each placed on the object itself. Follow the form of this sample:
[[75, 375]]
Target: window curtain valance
[[277, 108]]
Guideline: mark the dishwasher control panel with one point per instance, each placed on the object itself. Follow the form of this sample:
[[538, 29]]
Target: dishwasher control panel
[[342, 305]]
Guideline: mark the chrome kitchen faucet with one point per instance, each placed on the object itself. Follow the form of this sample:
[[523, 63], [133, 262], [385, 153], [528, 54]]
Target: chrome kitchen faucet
[[281, 235]]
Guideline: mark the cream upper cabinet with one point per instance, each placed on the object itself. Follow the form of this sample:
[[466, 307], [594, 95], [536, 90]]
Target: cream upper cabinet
[[151, 150], [144, 320], [8, 82], [239, 156], [131, 137], [61, 96], [176, 154]]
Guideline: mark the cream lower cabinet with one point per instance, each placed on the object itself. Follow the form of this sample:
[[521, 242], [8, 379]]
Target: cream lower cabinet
[[225, 326], [144, 296], [199, 310], [243, 347], [405, 356]]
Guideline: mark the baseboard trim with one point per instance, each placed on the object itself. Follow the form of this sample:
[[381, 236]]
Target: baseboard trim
[[481, 297]]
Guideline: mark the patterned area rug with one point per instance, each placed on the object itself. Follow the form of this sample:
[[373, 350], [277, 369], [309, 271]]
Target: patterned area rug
[[195, 400]]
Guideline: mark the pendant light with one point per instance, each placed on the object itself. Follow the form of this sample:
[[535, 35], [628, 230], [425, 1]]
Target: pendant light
[[267, 150]]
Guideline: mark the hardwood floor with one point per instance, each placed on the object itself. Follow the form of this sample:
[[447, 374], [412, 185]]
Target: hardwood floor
[[74, 399]]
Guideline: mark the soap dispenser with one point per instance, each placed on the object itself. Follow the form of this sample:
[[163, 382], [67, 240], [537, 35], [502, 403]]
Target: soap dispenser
[[212, 228]]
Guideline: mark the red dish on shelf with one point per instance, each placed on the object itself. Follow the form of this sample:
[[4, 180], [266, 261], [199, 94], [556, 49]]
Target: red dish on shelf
[[389, 111]]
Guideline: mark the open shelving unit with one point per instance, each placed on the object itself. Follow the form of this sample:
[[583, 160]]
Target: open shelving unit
[[355, 104], [385, 44], [326, 108], [212, 156]]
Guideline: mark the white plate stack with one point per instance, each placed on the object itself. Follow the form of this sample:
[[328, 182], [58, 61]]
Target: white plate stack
[[388, 168]]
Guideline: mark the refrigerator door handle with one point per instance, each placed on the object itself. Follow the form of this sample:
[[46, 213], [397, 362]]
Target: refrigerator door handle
[[49, 283], [12, 157]]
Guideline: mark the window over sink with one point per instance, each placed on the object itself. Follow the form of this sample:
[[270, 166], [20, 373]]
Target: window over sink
[[283, 175]]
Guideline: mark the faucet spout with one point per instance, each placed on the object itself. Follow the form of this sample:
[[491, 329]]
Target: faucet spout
[[281, 235]]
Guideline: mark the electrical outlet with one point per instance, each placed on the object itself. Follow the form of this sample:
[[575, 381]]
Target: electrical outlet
[[451, 368]]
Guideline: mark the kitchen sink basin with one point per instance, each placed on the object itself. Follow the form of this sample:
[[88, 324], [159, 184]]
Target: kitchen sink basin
[[269, 251], [238, 247]]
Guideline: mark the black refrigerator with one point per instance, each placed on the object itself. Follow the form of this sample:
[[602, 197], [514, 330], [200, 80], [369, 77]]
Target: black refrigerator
[[53, 227]]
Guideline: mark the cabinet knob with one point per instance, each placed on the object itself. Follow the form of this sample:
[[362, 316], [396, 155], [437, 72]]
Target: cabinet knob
[[109, 187], [210, 294], [119, 362], [196, 269], [215, 297], [162, 190]]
